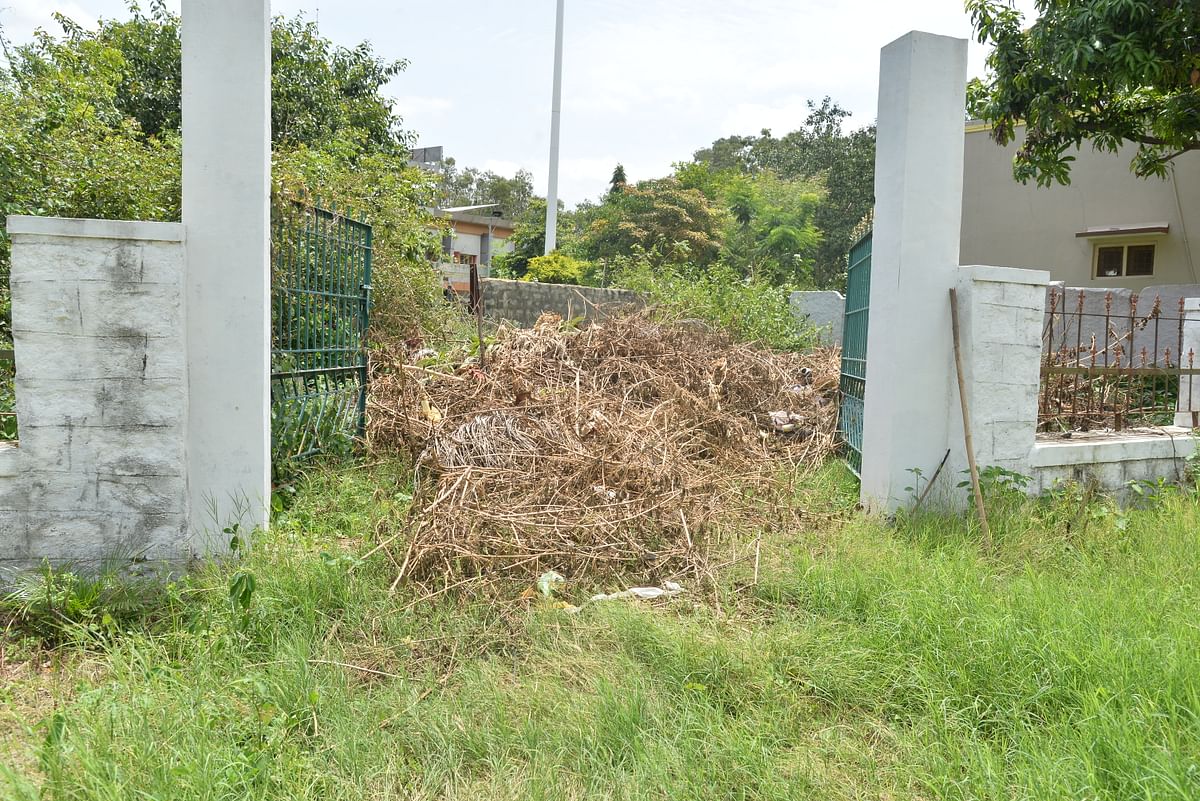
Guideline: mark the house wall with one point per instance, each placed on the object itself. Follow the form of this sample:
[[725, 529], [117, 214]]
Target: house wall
[[464, 227], [467, 243], [1015, 225], [102, 394]]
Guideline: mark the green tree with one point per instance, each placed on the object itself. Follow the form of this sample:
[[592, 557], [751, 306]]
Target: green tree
[[472, 187], [1107, 71], [89, 127], [660, 216], [66, 147], [769, 233], [321, 94], [820, 151], [618, 180]]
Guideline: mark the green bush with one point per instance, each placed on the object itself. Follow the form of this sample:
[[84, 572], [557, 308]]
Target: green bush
[[750, 310], [556, 268]]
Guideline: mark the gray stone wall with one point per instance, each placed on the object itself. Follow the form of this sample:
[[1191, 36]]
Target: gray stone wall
[[1068, 328], [826, 310], [522, 302], [98, 326]]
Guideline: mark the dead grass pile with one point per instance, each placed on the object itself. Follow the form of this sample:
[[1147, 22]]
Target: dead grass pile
[[621, 445]]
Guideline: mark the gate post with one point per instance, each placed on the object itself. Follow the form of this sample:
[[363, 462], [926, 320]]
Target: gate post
[[226, 213], [918, 213]]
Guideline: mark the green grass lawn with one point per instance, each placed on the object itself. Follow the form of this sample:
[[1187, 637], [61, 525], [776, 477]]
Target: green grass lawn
[[869, 661]]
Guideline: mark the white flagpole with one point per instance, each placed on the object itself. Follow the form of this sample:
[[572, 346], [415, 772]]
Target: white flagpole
[[555, 113]]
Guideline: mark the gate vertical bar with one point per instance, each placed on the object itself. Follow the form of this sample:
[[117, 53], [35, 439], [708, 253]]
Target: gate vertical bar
[[854, 351], [364, 324]]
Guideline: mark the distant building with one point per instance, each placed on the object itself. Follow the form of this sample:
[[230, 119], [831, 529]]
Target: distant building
[[1108, 228], [475, 238]]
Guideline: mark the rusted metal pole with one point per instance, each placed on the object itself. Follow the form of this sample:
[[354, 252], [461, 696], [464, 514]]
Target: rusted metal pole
[[966, 416], [476, 304]]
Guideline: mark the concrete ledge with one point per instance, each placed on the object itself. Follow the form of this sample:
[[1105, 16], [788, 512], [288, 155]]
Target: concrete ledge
[[24, 225], [10, 457], [1173, 443], [1005, 275]]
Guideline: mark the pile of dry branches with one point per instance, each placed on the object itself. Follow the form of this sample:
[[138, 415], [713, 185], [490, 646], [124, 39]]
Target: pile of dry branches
[[619, 446]]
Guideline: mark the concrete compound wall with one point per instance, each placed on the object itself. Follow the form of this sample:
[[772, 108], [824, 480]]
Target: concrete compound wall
[[142, 384], [908, 408], [1001, 315], [826, 310], [522, 302], [1112, 463], [98, 329], [912, 416], [226, 208]]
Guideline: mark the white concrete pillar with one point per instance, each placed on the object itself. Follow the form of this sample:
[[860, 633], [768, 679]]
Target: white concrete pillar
[[918, 210], [226, 213], [1188, 410]]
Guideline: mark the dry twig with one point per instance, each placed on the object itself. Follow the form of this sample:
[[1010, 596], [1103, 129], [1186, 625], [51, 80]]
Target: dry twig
[[615, 447]]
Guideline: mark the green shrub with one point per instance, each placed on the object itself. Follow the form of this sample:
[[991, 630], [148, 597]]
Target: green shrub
[[750, 310], [556, 268]]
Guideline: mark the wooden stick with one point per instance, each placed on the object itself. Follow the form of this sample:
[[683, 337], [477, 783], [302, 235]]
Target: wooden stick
[[929, 486], [966, 415]]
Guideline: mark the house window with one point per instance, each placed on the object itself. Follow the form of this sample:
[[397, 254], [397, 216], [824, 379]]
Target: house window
[[1123, 261]]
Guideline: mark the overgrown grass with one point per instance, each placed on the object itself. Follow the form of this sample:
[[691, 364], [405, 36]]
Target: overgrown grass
[[750, 310], [868, 662]]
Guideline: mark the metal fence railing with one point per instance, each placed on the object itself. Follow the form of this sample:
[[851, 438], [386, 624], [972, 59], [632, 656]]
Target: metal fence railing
[[1112, 363], [320, 296], [853, 380]]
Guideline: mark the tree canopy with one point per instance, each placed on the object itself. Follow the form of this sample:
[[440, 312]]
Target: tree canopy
[[89, 127], [658, 215], [1107, 71], [473, 187], [820, 152]]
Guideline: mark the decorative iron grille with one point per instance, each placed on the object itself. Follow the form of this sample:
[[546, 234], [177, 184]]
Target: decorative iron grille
[[1112, 362]]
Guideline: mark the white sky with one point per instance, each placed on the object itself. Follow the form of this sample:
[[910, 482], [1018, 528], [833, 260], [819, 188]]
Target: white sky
[[646, 82]]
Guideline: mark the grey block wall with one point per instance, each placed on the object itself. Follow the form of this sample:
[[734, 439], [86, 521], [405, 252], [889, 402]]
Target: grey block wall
[[1069, 330], [98, 329], [824, 309], [522, 302]]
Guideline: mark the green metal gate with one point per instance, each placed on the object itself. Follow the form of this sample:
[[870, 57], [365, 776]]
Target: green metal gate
[[854, 351], [321, 300]]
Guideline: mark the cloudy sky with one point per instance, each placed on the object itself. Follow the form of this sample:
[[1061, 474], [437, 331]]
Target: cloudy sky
[[646, 82]]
